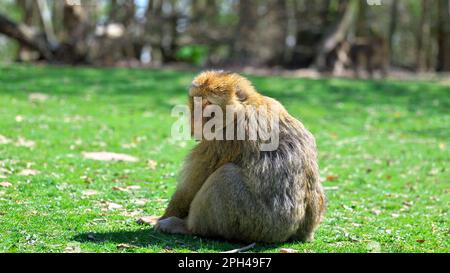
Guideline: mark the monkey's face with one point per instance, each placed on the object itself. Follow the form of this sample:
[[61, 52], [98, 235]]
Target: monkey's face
[[213, 88]]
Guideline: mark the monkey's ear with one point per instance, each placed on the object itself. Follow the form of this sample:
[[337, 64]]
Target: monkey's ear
[[240, 94]]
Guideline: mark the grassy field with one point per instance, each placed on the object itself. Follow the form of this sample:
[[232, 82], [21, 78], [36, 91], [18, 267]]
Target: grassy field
[[383, 145]]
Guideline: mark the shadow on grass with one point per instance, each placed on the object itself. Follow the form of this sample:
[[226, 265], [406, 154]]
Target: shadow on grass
[[162, 85], [153, 239]]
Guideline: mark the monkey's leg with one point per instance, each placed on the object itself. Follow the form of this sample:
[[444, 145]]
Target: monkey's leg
[[215, 204], [314, 210], [225, 207], [192, 177]]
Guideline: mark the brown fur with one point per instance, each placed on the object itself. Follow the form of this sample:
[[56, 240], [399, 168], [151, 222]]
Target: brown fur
[[231, 189]]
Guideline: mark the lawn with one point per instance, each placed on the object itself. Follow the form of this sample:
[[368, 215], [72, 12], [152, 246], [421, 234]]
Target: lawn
[[383, 148]]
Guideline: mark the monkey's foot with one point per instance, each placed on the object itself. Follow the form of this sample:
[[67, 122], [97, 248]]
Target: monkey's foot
[[172, 225], [306, 237], [303, 237]]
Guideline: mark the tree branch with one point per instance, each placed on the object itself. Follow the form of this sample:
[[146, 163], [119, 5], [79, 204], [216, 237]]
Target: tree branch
[[25, 36]]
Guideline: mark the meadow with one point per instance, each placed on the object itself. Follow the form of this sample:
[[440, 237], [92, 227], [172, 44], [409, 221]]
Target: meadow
[[383, 149]]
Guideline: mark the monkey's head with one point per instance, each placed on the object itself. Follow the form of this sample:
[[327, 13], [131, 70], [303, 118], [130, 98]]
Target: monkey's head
[[221, 89]]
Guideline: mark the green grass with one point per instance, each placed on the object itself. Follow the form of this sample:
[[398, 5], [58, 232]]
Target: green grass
[[383, 145]]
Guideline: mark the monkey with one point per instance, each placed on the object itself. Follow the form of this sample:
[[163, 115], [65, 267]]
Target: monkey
[[370, 54], [373, 53], [231, 189]]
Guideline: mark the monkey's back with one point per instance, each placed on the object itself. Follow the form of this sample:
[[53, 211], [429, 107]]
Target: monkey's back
[[284, 180]]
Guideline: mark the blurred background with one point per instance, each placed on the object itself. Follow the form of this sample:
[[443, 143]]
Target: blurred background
[[330, 36], [67, 128]]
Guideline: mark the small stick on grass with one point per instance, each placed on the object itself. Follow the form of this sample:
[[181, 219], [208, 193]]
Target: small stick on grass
[[238, 250]]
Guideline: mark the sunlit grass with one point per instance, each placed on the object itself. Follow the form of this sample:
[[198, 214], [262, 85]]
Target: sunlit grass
[[383, 146]]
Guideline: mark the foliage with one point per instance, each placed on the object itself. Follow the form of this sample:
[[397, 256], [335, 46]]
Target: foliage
[[194, 54]]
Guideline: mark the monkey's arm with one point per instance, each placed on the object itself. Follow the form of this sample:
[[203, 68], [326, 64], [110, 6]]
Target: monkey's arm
[[194, 174]]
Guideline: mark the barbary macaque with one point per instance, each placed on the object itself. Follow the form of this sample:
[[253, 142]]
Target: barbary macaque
[[369, 55], [233, 188]]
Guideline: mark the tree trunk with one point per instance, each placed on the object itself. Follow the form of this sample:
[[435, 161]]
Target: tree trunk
[[161, 30], [443, 36], [362, 25], [245, 39], [169, 34], [58, 17], [277, 36], [335, 34], [113, 11], [122, 12], [392, 27], [46, 19], [423, 37], [30, 17], [74, 48]]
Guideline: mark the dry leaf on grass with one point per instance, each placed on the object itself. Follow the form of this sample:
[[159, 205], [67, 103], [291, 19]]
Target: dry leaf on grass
[[288, 250], [420, 241], [376, 212], [140, 202], [108, 156], [347, 207], [133, 213], [152, 164], [128, 145], [128, 188], [37, 97], [72, 248], [4, 140], [124, 246], [22, 142], [332, 177], [5, 184], [407, 204], [242, 249], [29, 172], [89, 192], [148, 220], [112, 206], [159, 200]]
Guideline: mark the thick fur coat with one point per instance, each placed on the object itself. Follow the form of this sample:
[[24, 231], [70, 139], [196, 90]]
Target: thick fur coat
[[234, 190]]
